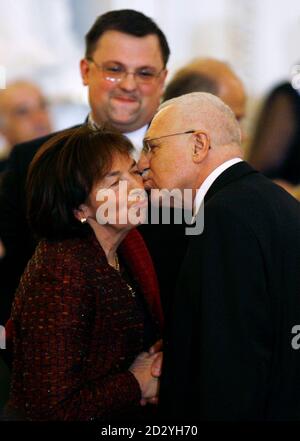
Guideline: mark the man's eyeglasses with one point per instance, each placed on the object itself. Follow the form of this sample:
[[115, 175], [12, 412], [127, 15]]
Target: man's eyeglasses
[[116, 72], [147, 143]]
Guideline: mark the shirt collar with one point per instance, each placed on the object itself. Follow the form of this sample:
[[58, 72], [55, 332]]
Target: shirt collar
[[207, 183], [136, 138], [92, 123]]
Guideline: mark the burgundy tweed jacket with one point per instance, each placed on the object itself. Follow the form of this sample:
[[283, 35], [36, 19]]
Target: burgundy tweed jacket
[[77, 329]]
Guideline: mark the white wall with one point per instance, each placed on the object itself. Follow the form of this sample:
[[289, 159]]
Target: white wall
[[259, 38]]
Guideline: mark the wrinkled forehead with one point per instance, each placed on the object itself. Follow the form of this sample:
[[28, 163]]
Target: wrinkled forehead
[[129, 49], [165, 121]]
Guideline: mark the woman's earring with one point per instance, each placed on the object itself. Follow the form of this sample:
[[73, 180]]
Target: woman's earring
[[83, 220]]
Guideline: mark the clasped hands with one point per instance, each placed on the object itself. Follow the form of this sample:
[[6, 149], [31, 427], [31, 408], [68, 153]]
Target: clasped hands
[[147, 369]]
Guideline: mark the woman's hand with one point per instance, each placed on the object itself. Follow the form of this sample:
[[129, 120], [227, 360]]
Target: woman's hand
[[2, 249]]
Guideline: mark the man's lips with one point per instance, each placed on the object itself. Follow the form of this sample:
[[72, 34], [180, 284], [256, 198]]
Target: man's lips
[[148, 183], [125, 99]]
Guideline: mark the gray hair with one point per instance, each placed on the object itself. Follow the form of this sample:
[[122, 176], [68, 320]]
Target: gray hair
[[208, 112]]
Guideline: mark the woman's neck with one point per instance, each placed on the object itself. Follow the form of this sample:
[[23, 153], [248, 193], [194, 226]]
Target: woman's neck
[[109, 239]]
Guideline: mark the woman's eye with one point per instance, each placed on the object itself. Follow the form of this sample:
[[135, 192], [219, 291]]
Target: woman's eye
[[115, 183]]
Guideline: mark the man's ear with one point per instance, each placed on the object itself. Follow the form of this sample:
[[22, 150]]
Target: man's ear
[[201, 146], [85, 69], [162, 81]]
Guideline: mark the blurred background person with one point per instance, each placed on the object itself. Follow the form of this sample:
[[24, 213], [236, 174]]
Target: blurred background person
[[212, 76], [87, 308], [24, 115], [275, 147]]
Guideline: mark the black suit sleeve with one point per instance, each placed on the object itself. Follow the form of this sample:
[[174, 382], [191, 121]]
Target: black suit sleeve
[[10, 204], [218, 350], [14, 231]]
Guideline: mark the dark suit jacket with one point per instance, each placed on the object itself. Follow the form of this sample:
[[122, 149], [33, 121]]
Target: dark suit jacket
[[228, 351], [167, 245], [77, 329]]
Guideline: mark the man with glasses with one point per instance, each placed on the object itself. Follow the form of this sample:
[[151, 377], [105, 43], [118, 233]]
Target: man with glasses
[[201, 75], [231, 349], [124, 69]]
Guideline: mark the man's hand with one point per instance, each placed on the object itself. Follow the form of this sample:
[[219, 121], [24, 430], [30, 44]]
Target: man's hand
[[156, 350], [157, 361], [2, 249], [157, 347], [141, 369]]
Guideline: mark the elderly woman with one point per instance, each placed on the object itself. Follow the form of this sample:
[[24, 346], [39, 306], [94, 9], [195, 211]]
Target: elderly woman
[[87, 308]]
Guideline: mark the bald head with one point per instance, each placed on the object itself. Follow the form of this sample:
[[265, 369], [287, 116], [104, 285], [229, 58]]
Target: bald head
[[23, 113], [213, 76], [199, 110], [189, 137]]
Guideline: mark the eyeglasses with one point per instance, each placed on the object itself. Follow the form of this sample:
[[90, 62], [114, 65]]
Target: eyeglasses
[[116, 72], [147, 147]]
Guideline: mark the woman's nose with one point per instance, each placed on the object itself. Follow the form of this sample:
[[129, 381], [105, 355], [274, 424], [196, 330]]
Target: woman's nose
[[136, 182]]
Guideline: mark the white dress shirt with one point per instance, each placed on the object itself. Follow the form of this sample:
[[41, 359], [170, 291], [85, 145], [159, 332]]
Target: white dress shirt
[[207, 183], [136, 138]]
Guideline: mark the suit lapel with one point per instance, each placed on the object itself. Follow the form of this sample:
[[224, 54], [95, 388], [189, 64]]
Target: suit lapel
[[233, 173]]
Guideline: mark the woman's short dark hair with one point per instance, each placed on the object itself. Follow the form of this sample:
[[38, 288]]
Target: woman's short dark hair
[[61, 177], [129, 22]]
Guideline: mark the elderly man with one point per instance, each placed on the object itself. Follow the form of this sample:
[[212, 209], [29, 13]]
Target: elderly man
[[201, 75], [124, 69], [24, 115], [230, 349]]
